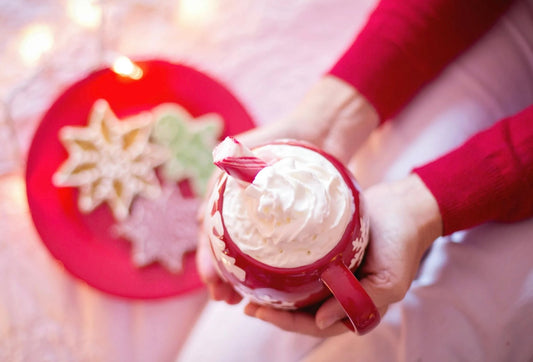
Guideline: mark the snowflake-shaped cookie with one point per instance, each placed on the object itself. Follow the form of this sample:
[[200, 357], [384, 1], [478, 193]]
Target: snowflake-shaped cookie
[[162, 230], [110, 160], [190, 141]]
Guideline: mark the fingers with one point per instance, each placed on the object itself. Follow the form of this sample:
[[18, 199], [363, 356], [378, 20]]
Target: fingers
[[294, 321], [217, 288], [383, 290], [221, 291], [204, 261], [329, 313]]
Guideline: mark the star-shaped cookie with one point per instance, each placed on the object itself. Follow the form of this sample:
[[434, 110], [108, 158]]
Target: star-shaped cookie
[[190, 141], [110, 160], [162, 230]]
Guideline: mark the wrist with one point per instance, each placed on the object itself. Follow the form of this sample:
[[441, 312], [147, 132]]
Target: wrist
[[421, 207], [337, 117], [332, 96]]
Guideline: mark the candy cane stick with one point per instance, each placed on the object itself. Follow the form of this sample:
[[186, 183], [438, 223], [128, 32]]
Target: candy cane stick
[[237, 160]]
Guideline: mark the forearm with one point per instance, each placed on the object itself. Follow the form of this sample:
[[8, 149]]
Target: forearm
[[489, 178], [406, 44], [332, 115], [344, 117]]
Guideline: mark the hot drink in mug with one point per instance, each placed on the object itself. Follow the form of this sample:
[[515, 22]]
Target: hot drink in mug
[[286, 228]]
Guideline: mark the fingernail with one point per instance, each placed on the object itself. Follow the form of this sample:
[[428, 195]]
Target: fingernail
[[250, 310], [326, 322], [213, 292]]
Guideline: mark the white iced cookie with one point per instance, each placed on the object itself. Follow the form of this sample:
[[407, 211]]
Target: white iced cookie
[[110, 160], [162, 230]]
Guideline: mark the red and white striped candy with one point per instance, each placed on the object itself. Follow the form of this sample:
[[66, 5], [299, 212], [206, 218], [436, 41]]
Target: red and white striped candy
[[237, 160]]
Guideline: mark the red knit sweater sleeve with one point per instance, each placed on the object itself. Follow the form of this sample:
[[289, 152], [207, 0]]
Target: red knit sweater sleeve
[[406, 43], [489, 178]]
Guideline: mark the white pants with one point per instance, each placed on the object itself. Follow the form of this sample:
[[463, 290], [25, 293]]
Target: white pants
[[473, 299]]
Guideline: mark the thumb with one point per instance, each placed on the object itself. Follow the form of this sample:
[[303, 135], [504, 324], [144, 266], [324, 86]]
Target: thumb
[[381, 290]]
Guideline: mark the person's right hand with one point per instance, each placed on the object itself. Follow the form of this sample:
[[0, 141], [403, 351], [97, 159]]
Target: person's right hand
[[404, 221], [334, 117]]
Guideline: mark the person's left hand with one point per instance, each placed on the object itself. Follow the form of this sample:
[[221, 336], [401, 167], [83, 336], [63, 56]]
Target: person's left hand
[[404, 221]]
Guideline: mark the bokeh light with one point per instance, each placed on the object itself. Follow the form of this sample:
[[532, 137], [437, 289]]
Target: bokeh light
[[126, 68], [194, 13], [86, 13], [36, 40]]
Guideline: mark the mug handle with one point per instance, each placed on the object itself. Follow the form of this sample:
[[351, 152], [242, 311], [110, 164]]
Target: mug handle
[[355, 301]]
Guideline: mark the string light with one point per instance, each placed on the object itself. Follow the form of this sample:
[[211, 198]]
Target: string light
[[86, 13], [15, 191], [126, 68], [195, 12], [36, 40]]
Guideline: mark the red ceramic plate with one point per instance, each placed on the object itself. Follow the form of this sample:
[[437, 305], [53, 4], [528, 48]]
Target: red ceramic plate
[[84, 242]]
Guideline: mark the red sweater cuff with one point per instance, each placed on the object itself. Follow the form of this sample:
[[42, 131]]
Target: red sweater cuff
[[489, 178], [405, 44]]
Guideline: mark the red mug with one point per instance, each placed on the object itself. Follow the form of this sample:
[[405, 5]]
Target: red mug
[[304, 285]]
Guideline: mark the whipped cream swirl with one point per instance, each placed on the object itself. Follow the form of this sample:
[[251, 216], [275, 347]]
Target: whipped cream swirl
[[294, 212]]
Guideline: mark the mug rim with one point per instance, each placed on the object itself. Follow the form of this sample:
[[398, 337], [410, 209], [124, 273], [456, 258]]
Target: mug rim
[[353, 227]]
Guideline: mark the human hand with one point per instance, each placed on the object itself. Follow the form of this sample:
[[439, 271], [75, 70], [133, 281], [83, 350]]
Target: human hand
[[217, 288], [334, 117], [404, 221]]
